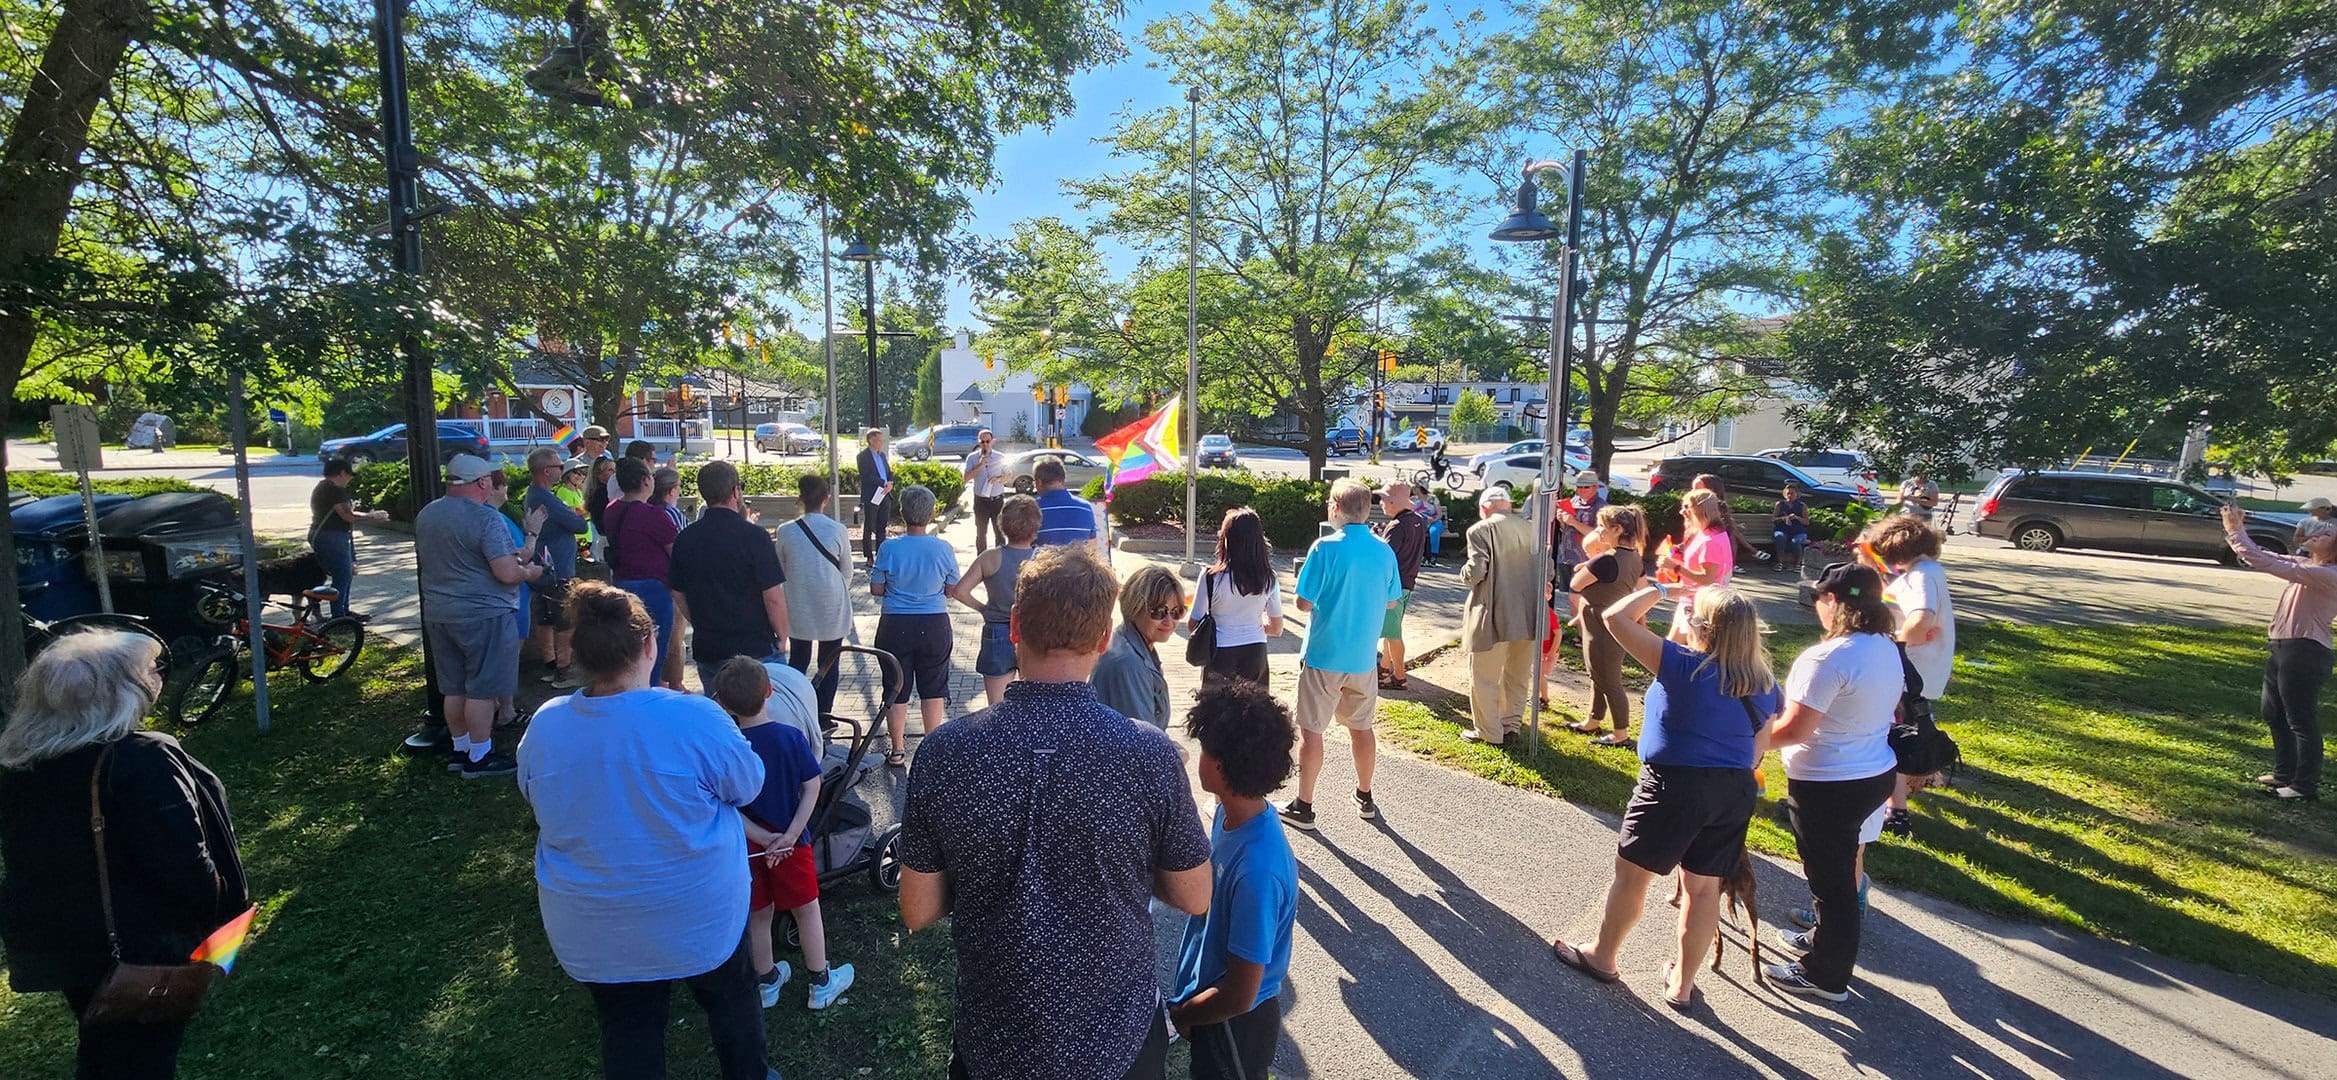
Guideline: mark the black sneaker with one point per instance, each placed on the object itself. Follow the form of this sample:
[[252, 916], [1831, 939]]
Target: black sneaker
[[1364, 807], [496, 763], [1899, 823], [1299, 814], [1789, 978], [456, 760]]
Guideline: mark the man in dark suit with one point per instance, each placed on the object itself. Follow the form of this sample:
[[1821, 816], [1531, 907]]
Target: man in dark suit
[[876, 494]]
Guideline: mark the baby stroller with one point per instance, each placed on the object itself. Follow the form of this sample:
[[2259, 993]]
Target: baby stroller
[[841, 830]]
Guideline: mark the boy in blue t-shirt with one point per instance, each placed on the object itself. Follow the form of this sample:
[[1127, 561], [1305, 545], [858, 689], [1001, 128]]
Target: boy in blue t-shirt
[[784, 872], [1230, 967]]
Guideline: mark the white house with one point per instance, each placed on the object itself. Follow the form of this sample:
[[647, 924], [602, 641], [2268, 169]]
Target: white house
[[1000, 400]]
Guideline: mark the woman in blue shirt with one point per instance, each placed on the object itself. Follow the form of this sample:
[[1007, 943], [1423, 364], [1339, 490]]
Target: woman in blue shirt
[[913, 575], [640, 868], [1696, 792]]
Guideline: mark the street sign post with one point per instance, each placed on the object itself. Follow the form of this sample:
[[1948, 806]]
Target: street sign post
[[75, 429]]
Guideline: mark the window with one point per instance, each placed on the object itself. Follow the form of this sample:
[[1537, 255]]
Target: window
[[1724, 434], [2169, 499], [2041, 488], [2113, 493]]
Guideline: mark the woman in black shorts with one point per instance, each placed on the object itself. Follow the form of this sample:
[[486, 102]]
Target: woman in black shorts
[[912, 575], [1696, 791]]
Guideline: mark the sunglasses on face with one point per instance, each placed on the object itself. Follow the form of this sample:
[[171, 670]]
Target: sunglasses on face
[[1172, 611]]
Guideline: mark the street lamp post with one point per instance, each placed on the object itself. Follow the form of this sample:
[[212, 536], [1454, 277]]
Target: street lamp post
[[1529, 224], [828, 340], [1192, 320], [867, 256]]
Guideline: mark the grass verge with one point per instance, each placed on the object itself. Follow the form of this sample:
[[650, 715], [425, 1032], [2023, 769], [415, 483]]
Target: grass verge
[[399, 937], [2106, 788]]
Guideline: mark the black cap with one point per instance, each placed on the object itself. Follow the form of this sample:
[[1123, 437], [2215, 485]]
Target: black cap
[[1848, 579]]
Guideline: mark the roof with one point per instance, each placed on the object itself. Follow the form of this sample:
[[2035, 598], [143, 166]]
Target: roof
[[971, 393]]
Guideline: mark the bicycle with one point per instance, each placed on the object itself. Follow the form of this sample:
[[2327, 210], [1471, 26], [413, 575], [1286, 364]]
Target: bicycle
[[1444, 475], [321, 652]]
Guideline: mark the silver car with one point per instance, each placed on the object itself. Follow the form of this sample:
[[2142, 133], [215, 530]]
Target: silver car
[[789, 438], [1078, 468]]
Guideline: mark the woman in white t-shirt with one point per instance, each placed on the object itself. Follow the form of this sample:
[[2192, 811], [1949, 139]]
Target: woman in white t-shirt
[[1834, 738], [1241, 591], [1909, 548]]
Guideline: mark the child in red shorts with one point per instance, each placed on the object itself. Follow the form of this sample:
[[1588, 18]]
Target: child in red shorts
[[784, 873]]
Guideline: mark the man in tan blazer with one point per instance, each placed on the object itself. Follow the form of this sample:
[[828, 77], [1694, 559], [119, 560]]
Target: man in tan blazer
[[1497, 624]]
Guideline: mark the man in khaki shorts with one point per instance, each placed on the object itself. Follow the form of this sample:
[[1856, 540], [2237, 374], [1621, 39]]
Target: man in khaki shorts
[[1347, 585]]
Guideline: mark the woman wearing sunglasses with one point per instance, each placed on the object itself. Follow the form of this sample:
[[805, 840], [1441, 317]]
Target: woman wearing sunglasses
[[1128, 678]]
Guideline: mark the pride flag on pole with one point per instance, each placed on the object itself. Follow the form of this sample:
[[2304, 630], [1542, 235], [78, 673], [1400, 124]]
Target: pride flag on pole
[[1142, 448], [224, 943]]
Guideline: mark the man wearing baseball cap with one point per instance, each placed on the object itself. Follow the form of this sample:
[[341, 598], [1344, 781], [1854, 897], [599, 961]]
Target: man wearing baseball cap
[[1577, 516], [2317, 508], [470, 575], [592, 444]]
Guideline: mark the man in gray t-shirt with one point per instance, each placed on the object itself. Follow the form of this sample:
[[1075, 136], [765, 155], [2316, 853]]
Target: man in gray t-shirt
[[471, 574]]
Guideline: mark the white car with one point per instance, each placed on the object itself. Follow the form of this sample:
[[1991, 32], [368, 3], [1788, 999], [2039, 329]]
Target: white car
[[1841, 468], [1520, 471], [1478, 462], [1412, 439]]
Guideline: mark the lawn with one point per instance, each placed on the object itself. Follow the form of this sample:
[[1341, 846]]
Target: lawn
[[399, 938], [2106, 788]]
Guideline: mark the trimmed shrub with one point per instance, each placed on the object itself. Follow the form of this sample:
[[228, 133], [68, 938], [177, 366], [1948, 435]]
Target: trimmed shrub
[[1840, 526], [945, 481], [383, 486], [1292, 511], [45, 484]]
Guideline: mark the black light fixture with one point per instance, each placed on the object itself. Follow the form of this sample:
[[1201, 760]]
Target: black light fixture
[[576, 71], [1527, 223]]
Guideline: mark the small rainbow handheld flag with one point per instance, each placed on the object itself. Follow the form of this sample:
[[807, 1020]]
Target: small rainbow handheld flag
[[561, 437], [1663, 574], [224, 943]]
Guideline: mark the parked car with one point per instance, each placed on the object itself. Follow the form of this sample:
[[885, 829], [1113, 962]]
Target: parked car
[[1478, 462], [1520, 471], [1411, 438], [389, 444], [2048, 510], [52, 579], [1343, 440], [945, 441], [1217, 450], [789, 438], [1846, 468], [1758, 477], [1078, 468]]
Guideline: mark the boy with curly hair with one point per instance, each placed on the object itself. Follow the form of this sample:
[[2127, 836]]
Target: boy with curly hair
[[1233, 959]]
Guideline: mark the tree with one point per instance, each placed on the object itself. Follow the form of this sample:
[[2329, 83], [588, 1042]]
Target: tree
[[1705, 120], [926, 410], [1321, 125], [2093, 224], [1472, 410]]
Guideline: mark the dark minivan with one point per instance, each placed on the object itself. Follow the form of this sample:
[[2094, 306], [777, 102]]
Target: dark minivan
[[2042, 511], [1758, 477]]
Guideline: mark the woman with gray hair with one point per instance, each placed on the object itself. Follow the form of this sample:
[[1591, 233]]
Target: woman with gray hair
[[2300, 644], [1129, 678], [912, 576], [73, 756]]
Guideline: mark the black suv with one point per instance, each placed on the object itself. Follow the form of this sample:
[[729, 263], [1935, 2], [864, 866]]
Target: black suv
[[2041, 511], [1757, 477], [1343, 440]]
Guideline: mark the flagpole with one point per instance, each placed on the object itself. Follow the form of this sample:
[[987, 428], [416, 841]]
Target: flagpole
[[1192, 402]]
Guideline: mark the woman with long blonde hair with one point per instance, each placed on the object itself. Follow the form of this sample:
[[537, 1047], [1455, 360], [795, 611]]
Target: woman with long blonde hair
[[1711, 696], [1707, 554]]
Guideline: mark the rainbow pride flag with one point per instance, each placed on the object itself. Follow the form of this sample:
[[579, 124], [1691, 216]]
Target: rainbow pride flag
[[561, 438], [227, 941], [1142, 448]]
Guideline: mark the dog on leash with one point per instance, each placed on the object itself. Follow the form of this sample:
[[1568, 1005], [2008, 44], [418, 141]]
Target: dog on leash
[[1738, 890]]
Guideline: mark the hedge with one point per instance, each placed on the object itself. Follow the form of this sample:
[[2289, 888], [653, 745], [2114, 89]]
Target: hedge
[[42, 485], [383, 485]]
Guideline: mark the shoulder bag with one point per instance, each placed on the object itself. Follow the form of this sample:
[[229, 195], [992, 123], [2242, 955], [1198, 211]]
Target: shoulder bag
[[136, 993], [817, 546], [1201, 647], [1921, 747]]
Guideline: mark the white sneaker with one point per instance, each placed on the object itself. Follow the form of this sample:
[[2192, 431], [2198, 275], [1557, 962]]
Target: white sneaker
[[1788, 978], [839, 980], [770, 987]]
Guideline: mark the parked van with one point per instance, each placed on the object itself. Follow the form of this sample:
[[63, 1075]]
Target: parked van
[[2048, 510]]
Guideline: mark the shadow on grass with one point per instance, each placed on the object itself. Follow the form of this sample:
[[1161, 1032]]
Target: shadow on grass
[[2105, 789]]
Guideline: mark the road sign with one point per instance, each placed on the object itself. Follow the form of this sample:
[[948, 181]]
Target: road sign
[[278, 416], [75, 429]]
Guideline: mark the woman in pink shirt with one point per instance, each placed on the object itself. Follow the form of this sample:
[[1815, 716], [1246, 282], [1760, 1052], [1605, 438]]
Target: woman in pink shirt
[[2301, 658], [1707, 558]]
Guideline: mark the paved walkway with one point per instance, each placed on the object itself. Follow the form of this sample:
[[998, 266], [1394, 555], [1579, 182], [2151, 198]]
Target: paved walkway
[[1422, 945]]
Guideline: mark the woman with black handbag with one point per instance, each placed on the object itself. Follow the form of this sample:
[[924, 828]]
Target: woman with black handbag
[[117, 858], [1237, 606]]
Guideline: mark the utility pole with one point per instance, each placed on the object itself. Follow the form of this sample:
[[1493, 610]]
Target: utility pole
[[405, 227]]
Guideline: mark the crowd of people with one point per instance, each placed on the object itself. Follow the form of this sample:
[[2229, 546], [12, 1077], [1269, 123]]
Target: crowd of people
[[1052, 825]]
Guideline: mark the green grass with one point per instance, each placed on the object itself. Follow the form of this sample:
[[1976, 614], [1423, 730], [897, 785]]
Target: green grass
[[399, 935], [2106, 789]]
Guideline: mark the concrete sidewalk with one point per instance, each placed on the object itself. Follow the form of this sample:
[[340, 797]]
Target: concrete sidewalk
[[1422, 939]]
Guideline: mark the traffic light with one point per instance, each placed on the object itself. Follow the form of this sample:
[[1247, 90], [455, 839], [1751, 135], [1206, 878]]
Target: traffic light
[[989, 361], [1039, 394], [1387, 359], [1379, 400], [1062, 395]]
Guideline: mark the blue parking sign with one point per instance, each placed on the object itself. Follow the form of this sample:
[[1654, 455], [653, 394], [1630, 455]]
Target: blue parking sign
[[277, 416]]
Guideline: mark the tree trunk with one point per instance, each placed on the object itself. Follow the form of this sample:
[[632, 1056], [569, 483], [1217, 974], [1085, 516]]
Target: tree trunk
[[1308, 350], [40, 165]]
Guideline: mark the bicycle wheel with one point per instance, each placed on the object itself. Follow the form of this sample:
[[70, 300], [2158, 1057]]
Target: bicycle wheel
[[205, 687], [333, 646]]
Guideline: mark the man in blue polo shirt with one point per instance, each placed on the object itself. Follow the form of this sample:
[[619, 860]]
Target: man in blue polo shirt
[[1064, 518], [1347, 585]]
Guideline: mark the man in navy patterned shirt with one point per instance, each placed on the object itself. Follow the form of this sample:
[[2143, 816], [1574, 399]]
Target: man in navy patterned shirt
[[1045, 826]]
